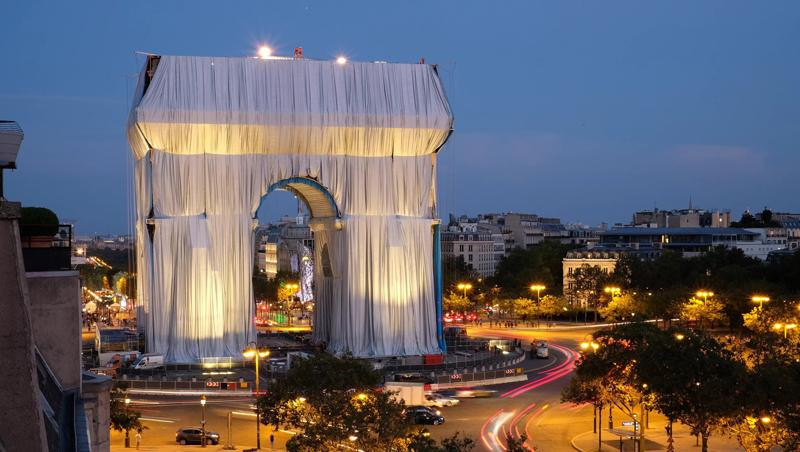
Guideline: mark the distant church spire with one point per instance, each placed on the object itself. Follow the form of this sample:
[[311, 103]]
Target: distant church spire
[[690, 202]]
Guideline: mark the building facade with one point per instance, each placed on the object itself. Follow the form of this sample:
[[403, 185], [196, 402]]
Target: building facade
[[691, 241], [479, 247], [681, 218]]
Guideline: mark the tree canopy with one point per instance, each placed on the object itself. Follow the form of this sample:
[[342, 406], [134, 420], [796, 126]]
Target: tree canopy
[[698, 380], [336, 401], [523, 267]]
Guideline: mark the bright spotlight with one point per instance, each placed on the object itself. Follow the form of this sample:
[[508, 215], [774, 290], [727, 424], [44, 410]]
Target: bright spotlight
[[264, 52], [341, 60]]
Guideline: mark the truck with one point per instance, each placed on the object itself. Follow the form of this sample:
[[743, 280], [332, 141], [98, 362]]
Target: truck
[[408, 392], [542, 352], [149, 361]]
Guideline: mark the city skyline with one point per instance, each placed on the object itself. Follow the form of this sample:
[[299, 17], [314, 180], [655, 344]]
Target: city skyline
[[594, 115]]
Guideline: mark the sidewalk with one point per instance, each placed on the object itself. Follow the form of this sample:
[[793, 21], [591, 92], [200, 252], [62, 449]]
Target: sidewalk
[[656, 440]]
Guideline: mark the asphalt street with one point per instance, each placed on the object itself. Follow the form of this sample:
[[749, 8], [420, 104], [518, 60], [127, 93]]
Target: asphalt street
[[532, 407]]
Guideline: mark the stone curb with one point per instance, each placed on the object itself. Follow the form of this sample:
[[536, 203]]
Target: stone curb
[[575, 446]]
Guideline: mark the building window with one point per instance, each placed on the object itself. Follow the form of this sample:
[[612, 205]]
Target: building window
[[469, 257], [470, 248], [461, 247]]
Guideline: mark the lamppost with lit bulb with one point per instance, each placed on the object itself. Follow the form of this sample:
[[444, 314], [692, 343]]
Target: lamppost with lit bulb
[[760, 299], [465, 287], [254, 352], [612, 290], [785, 327], [127, 416], [704, 294], [203, 421], [293, 288], [538, 288]]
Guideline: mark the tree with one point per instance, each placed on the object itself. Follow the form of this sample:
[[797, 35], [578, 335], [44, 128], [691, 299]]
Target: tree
[[662, 304], [763, 220], [332, 401], [122, 418], [551, 305], [516, 444], [456, 270], [588, 282], [621, 307], [522, 267], [526, 308], [454, 301], [421, 441], [703, 312], [120, 280], [685, 373], [329, 400]]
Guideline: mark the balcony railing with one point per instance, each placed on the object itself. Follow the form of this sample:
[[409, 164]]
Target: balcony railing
[[42, 252]]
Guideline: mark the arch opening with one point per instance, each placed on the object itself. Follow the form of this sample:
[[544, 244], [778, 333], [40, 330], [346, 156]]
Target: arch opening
[[287, 267], [315, 196]]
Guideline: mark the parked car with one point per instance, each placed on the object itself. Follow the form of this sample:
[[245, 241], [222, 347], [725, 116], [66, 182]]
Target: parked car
[[440, 400], [193, 435], [419, 414]]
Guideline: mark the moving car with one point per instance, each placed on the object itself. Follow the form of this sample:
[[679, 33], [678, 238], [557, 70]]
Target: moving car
[[193, 435], [419, 414], [440, 400], [467, 393]]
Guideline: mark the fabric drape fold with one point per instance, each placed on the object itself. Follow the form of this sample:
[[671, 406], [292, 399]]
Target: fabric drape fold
[[213, 134]]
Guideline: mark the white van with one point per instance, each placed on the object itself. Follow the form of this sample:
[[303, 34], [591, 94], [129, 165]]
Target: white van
[[150, 361], [542, 351]]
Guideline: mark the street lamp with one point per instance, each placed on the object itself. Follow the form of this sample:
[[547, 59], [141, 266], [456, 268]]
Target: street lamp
[[203, 421], [704, 294], [585, 346], [679, 336], [760, 299], [127, 432], [785, 327], [293, 287], [612, 290], [538, 288], [254, 352], [465, 287]]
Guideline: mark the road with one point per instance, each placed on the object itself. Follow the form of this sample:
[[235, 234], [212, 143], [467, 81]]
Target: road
[[532, 407]]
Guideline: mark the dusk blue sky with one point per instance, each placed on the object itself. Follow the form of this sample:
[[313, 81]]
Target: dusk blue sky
[[581, 110]]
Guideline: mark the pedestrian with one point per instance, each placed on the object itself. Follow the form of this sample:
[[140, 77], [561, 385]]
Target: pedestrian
[[138, 439], [271, 441]]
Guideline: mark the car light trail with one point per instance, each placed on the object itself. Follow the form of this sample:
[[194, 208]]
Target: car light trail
[[532, 418], [557, 372], [517, 418], [158, 419], [501, 419]]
